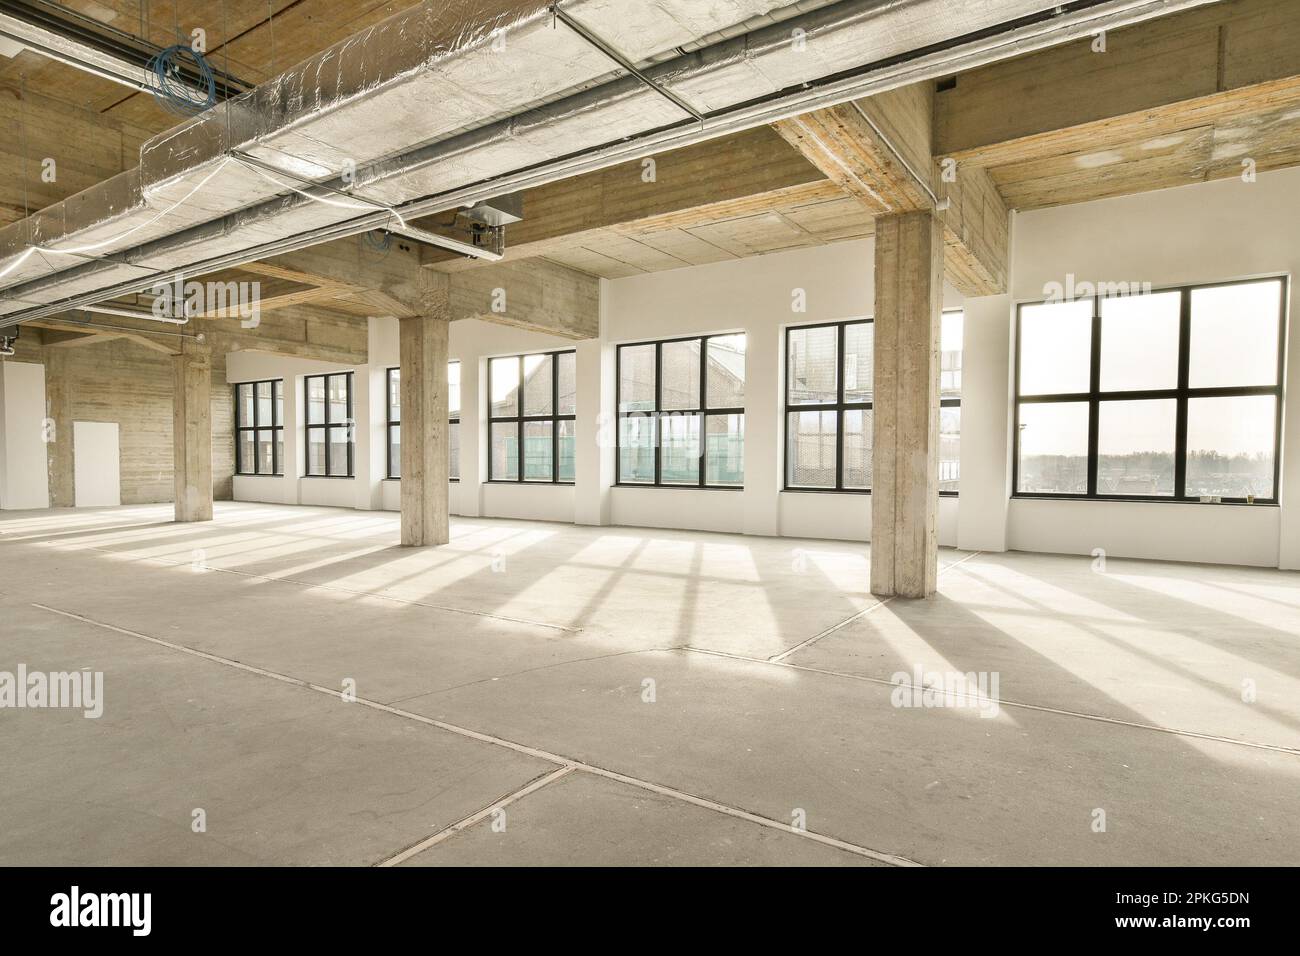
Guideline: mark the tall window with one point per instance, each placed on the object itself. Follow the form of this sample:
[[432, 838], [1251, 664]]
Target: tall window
[[829, 401], [1171, 395], [681, 412], [259, 428], [329, 425], [533, 403], [395, 421]]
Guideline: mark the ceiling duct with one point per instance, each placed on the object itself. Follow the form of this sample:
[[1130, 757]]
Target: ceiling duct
[[328, 106]]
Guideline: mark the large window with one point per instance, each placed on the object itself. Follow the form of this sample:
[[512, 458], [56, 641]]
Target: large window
[[1171, 395], [329, 425], [259, 428], [531, 417], [395, 421], [829, 401], [681, 412]]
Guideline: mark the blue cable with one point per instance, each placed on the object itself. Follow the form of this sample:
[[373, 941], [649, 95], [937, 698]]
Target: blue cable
[[171, 91]]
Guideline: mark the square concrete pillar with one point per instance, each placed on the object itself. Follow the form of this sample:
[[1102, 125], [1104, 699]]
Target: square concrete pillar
[[905, 447], [192, 431], [425, 431]]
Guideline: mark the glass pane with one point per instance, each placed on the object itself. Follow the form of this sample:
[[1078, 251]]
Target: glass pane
[[338, 399], [453, 435], [247, 458], [1055, 347], [537, 385], [1139, 341], [950, 447], [245, 406], [504, 373], [1135, 448], [264, 406], [1054, 448], [504, 465], [636, 378], [859, 373], [279, 402], [636, 449], [453, 389], [568, 442], [726, 372], [680, 464], [567, 370], [394, 394], [395, 451], [724, 450], [1230, 444], [279, 450], [810, 459], [1234, 334], [316, 400], [266, 450], [857, 449], [316, 451], [680, 369], [537, 451], [951, 332], [338, 451], [810, 365]]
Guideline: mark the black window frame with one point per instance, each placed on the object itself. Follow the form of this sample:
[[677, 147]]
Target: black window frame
[[392, 422], [1182, 394], [276, 429], [839, 406], [658, 412], [519, 418], [327, 424]]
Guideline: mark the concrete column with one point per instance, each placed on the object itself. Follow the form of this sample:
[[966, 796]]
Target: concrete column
[[192, 431], [58, 414], [905, 449], [425, 440]]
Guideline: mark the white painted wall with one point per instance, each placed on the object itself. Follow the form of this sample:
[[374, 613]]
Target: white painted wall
[[24, 471], [1196, 234], [97, 468]]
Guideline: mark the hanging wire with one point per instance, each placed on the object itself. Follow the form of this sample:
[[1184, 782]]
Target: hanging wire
[[172, 91]]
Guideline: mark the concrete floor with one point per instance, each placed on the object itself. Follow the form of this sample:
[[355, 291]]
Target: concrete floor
[[501, 714]]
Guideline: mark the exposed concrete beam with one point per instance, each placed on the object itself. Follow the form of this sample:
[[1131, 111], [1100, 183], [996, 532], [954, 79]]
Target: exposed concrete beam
[[54, 338], [141, 337], [879, 150], [698, 183], [1064, 96], [390, 281], [537, 294]]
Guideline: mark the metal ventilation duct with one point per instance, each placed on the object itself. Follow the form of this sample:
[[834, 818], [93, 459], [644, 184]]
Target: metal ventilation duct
[[396, 100]]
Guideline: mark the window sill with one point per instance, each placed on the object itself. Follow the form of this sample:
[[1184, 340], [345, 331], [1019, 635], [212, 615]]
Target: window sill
[[528, 484], [651, 487], [1134, 499], [329, 477]]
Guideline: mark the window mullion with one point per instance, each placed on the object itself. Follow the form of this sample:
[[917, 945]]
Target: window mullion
[[1094, 389], [1184, 381]]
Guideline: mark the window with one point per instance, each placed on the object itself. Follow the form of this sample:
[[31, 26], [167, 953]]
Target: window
[[1170, 395], [532, 427], [681, 413], [329, 425], [259, 428], [395, 421], [829, 402]]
